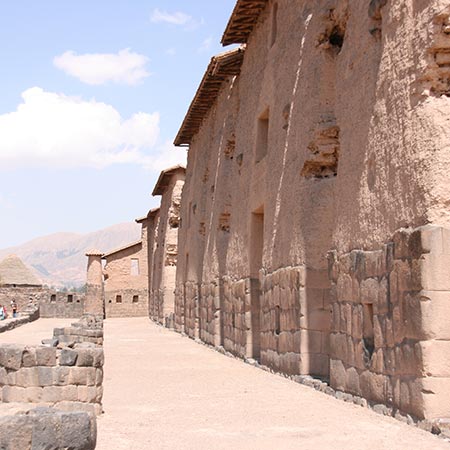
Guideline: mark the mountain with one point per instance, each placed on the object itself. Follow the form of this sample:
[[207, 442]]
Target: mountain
[[59, 259]]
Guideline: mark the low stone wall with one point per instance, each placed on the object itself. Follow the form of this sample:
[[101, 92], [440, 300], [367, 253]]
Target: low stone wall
[[68, 370], [390, 340], [52, 376], [25, 428], [29, 315], [62, 305]]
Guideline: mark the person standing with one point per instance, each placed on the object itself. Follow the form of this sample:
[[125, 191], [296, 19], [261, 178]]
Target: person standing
[[14, 308]]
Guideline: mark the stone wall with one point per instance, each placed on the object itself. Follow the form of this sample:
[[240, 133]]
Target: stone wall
[[66, 372], [51, 376], [23, 427], [30, 314], [295, 321], [164, 258], [390, 341], [61, 305], [23, 296]]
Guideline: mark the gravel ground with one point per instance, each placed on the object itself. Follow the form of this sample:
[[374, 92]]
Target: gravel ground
[[164, 391], [33, 333]]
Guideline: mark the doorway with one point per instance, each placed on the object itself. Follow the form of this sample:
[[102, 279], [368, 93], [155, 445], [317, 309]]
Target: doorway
[[256, 262]]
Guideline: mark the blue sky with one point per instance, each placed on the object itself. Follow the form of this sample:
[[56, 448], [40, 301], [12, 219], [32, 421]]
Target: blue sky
[[92, 96]]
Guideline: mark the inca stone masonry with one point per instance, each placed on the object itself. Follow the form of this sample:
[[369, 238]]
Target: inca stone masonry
[[311, 228]]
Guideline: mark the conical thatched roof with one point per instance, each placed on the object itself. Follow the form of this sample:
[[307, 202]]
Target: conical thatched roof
[[14, 271]]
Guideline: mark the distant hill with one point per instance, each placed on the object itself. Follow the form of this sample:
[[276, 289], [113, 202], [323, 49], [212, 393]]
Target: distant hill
[[59, 259]]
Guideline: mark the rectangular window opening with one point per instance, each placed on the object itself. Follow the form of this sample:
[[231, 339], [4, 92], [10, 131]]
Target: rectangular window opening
[[70, 298], [53, 298], [277, 320], [118, 299], [262, 136], [135, 298], [134, 266]]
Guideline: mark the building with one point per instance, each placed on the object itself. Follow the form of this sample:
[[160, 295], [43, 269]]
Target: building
[[19, 283], [164, 251], [314, 218], [126, 278]]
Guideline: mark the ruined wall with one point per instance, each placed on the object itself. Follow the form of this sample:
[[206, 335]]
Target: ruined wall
[[23, 296], [165, 256], [126, 283], [332, 138], [61, 305]]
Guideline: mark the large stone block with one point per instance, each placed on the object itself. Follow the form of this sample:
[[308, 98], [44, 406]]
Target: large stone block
[[45, 356], [434, 272], [338, 376], [11, 356], [436, 358], [27, 376], [434, 391], [434, 314]]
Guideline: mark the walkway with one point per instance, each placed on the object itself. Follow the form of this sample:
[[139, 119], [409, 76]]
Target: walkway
[[33, 333], [163, 391]]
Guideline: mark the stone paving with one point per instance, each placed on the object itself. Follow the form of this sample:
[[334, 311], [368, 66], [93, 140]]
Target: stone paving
[[164, 391]]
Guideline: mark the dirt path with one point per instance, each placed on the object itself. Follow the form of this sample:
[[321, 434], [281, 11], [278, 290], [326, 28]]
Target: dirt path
[[163, 391], [33, 333]]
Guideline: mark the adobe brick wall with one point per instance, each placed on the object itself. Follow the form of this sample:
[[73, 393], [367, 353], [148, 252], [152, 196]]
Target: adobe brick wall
[[58, 305]]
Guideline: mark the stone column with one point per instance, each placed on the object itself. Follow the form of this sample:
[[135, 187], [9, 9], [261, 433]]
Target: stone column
[[94, 303]]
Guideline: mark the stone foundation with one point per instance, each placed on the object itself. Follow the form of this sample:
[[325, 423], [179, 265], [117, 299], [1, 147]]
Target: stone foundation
[[237, 317], [210, 314], [295, 321], [390, 340]]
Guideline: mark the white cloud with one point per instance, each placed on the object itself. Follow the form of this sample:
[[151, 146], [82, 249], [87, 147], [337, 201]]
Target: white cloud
[[125, 67], [176, 18], [167, 155], [50, 129], [206, 45], [5, 203], [171, 51]]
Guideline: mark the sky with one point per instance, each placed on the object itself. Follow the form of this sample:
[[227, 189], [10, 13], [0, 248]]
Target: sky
[[92, 94]]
